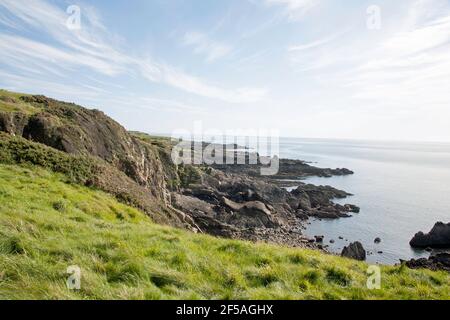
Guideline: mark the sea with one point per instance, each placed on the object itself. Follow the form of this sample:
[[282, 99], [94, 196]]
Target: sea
[[401, 187]]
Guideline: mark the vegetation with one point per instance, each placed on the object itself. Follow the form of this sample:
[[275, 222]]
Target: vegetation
[[165, 143], [50, 220], [15, 150], [84, 170], [47, 225], [12, 102]]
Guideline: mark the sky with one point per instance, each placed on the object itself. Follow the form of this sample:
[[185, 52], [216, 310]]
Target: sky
[[352, 69]]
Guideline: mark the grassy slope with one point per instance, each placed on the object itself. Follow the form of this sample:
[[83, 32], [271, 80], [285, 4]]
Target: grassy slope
[[12, 103], [47, 225]]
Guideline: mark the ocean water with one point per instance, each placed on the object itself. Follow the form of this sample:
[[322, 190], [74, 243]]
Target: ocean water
[[402, 188]]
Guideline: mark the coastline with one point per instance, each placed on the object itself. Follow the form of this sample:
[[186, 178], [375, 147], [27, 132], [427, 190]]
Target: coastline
[[236, 201], [230, 201]]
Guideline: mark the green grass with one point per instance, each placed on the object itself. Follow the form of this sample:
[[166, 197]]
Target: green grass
[[17, 150], [47, 225], [11, 102], [160, 141]]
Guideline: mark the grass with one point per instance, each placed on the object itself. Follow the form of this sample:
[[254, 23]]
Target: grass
[[16, 150], [47, 225], [12, 102], [160, 141]]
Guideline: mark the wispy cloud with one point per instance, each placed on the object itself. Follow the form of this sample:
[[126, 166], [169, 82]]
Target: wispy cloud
[[192, 84], [94, 48], [55, 89], [201, 44], [412, 66], [316, 43], [407, 68], [294, 9], [14, 47]]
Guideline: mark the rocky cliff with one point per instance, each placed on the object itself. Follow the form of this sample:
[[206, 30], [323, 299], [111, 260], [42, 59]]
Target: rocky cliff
[[230, 201], [76, 130]]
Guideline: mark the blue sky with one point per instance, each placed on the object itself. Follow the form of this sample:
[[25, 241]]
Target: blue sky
[[309, 68]]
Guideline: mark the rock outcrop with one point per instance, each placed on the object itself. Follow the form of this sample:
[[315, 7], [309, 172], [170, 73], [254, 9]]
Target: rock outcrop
[[226, 199], [13, 123], [316, 201], [289, 169], [76, 130], [438, 237], [230, 201], [355, 251], [439, 261]]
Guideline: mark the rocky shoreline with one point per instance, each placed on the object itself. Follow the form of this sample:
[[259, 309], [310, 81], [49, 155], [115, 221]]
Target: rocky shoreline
[[235, 201], [232, 201]]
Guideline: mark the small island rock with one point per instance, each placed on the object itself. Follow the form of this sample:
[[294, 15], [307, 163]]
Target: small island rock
[[438, 237], [354, 250]]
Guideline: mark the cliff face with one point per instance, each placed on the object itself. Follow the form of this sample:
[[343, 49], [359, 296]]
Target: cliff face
[[79, 131], [231, 201]]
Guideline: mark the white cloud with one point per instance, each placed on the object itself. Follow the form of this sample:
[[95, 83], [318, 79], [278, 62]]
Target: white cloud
[[13, 47], [213, 50], [400, 73], [47, 87], [315, 44], [408, 66], [412, 66], [92, 47], [294, 9], [192, 84], [308, 46]]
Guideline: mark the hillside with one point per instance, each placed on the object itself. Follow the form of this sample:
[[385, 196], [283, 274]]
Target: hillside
[[47, 224], [226, 201], [76, 188]]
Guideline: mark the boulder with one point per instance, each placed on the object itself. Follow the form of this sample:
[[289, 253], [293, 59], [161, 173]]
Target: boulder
[[329, 212], [352, 208], [438, 237], [355, 251], [377, 240], [319, 238], [251, 214]]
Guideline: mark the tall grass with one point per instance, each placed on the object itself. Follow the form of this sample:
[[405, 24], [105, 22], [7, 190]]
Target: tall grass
[[47, 225]]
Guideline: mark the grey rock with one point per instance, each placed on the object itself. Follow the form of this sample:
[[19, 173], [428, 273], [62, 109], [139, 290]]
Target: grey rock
[[440, 261], [319, 238], [355, 251], [438, 237]]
